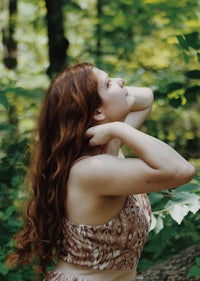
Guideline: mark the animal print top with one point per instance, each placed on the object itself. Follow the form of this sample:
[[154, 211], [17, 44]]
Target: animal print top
[[116, 244]]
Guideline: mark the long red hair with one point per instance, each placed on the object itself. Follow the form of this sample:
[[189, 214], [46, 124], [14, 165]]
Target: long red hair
[[67, 112]]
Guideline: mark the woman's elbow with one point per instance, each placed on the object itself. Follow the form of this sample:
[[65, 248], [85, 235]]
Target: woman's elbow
[[184, 173], [172, 177], [189, 171], [149, 96]]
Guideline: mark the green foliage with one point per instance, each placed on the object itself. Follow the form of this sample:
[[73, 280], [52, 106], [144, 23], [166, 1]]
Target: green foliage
[[175, 224], [12, 171], [188, 42], [195, 270], [156, 43], [179, 203], [17, 107]]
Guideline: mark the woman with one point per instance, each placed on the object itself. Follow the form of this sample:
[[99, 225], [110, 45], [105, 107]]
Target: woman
[[89, 209]]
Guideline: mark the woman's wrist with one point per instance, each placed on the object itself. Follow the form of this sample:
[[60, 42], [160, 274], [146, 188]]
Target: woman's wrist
[[119, 129], [140, 98]]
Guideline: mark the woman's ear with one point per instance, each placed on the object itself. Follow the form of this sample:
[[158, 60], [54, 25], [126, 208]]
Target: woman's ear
[[98, 115]]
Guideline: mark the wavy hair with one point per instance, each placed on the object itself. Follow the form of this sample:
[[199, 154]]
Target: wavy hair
[[67, 112]]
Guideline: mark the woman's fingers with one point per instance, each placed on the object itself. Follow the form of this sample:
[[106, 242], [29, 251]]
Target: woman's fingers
[[99, 134], [90, 134]]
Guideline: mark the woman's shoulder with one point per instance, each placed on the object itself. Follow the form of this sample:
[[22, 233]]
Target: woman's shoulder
[[92, 167], [88, 163], [88, 172]]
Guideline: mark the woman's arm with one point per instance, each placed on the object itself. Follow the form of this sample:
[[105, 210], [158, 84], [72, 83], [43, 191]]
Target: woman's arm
[[141, 100], [157, 167]]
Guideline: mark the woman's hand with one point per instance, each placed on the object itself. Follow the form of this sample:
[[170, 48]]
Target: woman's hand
[[101, 134], [156, 167], [140, 100]]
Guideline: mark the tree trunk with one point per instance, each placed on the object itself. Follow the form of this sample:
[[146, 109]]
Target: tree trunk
[[174, 269], [8, 40], [58, 44]]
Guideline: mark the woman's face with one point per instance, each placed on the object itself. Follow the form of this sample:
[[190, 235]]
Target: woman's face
[[115, 97]]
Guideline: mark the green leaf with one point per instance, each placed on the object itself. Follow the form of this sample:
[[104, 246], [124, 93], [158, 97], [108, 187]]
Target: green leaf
[[194, 271], [6, 127], [9, 211], [153, 222], [193, 40], [197, 261], [155, 197], [171, 87], [159, 224], [182, 42], [186, 58], [192, 93], [198, 56], [181, 203], [4, 101], [193, 74], [194, 206], [183, 197], [15, 276], [4, 269], [189, 187], [178, 212], [175, 102]]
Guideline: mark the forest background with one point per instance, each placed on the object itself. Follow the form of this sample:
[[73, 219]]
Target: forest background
[[147, 43]]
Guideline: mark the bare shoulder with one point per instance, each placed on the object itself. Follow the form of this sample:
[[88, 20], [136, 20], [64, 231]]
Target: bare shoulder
[[106, 175], [94, 170], [92, 165]]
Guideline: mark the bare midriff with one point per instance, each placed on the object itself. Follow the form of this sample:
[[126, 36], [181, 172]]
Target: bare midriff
[[95, 275]]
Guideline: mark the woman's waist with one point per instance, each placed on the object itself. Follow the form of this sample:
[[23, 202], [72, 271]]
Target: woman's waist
[[96, 275]]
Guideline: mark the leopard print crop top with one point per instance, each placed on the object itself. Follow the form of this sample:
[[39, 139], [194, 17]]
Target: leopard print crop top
[[116, 244]]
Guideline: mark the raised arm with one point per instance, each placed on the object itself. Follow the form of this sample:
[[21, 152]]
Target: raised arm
[[157, 167], [142, 99]]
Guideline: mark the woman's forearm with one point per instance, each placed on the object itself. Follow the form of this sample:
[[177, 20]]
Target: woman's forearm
[[142, 100], [155, 153], [141, 97], [135, 119]]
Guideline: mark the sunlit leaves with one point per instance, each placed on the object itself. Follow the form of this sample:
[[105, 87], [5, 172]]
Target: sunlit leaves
[[176, 98], [187, 42], [178, 206], [157, 223]]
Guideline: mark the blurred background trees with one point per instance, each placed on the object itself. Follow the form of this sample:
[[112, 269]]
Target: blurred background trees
[[147, 43]]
